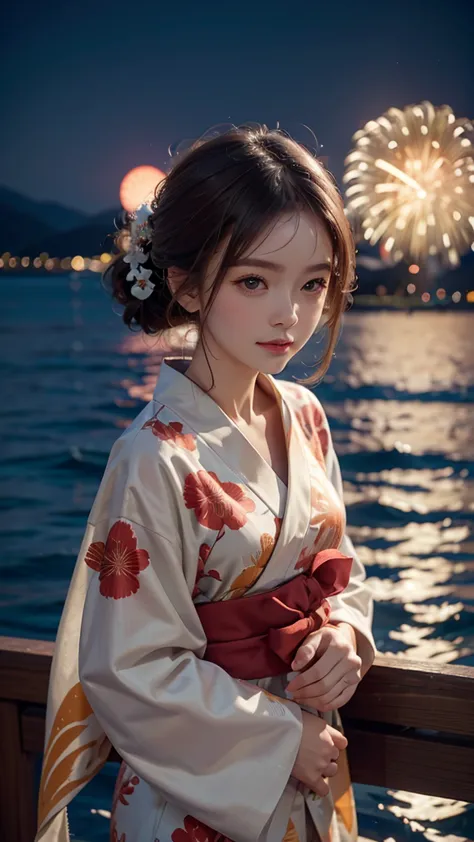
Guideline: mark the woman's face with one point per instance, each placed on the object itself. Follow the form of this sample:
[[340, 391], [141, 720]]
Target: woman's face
[[276, 292]]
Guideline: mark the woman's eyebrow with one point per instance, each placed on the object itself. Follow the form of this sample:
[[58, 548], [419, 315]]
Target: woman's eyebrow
[[269, 264]]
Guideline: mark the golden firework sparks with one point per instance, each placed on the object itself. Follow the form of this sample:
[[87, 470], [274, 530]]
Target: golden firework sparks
[[410, 184]]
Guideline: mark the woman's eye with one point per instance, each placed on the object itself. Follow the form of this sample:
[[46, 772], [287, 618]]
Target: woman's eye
[[250, 283], [320, 283], [253, 283]]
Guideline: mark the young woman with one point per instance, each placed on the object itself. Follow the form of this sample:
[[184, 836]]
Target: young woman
[[218, 616]]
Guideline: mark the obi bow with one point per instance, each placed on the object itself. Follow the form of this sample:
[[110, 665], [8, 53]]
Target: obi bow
[[257, 636]]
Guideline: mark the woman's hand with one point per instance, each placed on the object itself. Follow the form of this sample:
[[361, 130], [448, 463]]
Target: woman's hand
[[318, 753], [331, 668]]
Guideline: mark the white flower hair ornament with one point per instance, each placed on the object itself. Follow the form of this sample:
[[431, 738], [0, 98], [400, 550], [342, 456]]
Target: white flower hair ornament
[[140, 232]]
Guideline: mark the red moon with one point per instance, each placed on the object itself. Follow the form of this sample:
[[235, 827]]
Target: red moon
[[138, 186]]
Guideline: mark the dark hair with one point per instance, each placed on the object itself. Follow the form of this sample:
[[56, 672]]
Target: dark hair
[[235, 184]]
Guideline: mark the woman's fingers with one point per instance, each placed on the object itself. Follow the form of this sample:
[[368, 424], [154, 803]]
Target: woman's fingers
[[330, 770], [348, 682], [339, 695], [319, 671], [321, 788], [310, 685], [340, 700]]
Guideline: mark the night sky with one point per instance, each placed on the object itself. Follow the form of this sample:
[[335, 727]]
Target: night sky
[[95, 88]]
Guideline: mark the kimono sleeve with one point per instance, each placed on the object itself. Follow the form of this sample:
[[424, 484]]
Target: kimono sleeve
[[217, 747], [355, 604]]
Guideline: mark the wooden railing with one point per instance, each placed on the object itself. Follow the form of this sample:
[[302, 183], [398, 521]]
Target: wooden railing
[[410, 726]]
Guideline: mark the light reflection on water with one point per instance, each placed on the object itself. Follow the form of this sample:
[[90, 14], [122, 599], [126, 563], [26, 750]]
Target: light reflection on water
[[414, 352], [400, 397]]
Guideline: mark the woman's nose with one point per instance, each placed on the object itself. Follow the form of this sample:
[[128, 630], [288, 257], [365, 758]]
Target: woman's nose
[[285, 314]]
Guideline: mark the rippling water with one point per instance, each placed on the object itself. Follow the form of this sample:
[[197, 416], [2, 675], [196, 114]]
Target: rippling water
[[400, 398]]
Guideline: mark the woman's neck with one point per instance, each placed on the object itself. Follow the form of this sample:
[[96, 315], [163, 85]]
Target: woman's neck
[[235, 387]]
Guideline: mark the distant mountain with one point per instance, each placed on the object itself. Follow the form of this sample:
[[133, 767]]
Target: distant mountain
[[28, 227], [93, 237], [52, 214], [16, 227]]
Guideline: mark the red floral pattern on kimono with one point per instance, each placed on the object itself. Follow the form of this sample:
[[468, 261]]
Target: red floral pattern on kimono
[[123, 787], [216, 504], [305, 559], [118, 785], [196, 831], [114, 837], [118, 561], [313, 424], [127, 787], [172, 432], [204, 552]]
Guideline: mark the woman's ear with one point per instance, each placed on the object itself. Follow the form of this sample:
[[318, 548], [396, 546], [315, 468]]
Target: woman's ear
[[176, 279]]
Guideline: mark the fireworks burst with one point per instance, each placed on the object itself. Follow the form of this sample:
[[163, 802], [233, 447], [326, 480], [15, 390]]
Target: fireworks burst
[[410, 184]]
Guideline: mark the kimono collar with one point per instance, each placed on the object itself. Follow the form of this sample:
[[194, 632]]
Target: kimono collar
[[178, 392], [224, 437]]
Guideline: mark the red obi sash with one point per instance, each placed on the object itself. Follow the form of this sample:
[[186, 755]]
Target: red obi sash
[[257, 636]]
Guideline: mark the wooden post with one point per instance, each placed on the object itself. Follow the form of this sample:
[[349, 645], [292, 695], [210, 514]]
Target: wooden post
[[17, 802]]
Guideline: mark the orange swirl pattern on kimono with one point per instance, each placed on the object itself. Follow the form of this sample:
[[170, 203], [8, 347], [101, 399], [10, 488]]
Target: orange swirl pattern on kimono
[[291, 834], [248, 577], [342, 793], [330, 521], [61, 773]]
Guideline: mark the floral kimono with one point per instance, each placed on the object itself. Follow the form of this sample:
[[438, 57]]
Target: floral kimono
[[188, 512]]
